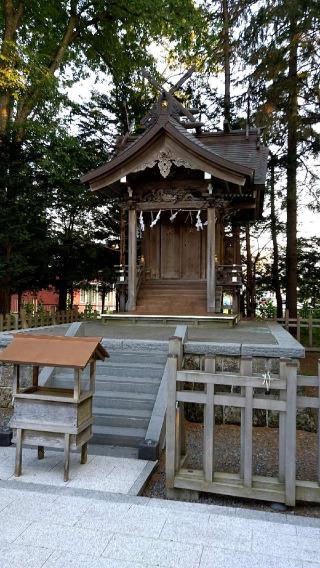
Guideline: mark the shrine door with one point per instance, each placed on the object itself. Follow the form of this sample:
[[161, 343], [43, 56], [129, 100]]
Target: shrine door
[[181, 251]]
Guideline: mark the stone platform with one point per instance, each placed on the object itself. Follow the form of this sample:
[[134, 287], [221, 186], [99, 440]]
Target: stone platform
[[254, 338]]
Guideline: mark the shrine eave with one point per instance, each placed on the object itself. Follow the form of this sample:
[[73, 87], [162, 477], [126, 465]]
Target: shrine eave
[[131, 157]]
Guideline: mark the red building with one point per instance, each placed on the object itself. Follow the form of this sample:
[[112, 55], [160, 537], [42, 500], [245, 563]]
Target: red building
[[49, 299]]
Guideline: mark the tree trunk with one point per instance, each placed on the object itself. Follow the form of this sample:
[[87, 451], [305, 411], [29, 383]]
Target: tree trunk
[[12, 20], [275, 264], [103, 300], [226, 60], [63, 294], [5, 300], [71, 297], [292, 119], [20, 294], [249, 288]]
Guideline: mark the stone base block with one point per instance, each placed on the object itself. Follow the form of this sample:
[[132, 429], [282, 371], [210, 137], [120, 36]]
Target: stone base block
[[149, 450], [5, 436]]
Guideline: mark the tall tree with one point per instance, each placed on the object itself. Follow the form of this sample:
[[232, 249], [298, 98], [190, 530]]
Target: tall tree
[[279, 45], [274, 224], [45, 47]]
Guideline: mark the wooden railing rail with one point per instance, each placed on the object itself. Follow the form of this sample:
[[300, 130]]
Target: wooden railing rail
[[300, 323], [23, 320], [247, 391]]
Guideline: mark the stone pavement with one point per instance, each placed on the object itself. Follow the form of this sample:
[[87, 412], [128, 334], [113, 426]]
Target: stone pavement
[[105, 473], [54, 527]]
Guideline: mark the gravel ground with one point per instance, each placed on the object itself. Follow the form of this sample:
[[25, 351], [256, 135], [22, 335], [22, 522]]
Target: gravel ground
[[5, 415], [309, 365], [265, 451]]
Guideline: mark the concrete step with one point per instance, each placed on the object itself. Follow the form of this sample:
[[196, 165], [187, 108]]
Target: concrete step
[[126, 388], [141, 357], [118, 436], [119, 384], [175, 282], [118, 399], [121, 417], [105, 372]]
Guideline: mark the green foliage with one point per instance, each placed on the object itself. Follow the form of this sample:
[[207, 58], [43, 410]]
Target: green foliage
[[266, 309], [309, 272]]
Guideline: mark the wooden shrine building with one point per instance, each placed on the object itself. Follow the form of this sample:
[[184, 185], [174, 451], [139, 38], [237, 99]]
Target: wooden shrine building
[[184, 193]]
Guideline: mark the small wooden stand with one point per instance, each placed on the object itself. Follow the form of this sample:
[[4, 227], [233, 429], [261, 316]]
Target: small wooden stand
[[49, 416]]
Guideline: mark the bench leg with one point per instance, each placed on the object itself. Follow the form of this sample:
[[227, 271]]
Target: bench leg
[[17, 471], [40, 452], [84, 453], [66, 456]]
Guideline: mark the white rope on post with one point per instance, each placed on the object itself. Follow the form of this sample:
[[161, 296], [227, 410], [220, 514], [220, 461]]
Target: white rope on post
[[199, 224], [173, 215], [141, 221], [155, 221]]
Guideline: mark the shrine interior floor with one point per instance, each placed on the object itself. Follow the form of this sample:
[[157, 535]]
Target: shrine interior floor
[[51, 527]]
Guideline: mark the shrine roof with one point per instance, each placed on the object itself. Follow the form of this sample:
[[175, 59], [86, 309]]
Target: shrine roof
[[177, 131], [237, 156], [53, 351], [241, 148]]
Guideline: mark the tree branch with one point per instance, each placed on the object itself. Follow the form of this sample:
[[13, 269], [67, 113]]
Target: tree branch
[[31, 98]]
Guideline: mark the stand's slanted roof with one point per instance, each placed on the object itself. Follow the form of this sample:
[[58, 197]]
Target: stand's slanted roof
[[236, 156], [53, 351]]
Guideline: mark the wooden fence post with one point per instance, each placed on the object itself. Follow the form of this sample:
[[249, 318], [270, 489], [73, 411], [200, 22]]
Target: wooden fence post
[[298, 328], [282, 421], [209, 422], [245, 370], [171, 420], [23, 317], [291, 424], [247, 472], [8, 322], [319, 422], [176, 348]]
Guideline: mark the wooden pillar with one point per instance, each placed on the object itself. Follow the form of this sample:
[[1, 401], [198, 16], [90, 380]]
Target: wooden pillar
[[122, 238], [132, 260], [211, 264], [236, 244]]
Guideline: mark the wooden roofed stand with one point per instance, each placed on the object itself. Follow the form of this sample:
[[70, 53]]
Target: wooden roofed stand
[[183, 193], [52, 416]]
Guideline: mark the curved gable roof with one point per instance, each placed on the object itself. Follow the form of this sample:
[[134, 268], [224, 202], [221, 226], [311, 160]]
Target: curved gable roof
[[181, 137]]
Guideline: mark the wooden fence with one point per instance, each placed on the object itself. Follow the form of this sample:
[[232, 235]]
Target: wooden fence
[[298, 325], [24, 320], [246, 391]]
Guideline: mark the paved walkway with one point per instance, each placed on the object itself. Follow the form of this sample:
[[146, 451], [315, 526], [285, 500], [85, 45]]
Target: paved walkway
[[70, 528], [101, 473]]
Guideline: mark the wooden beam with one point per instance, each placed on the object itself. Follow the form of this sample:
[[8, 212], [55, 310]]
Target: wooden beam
[[132, 260], [167, 206], [211, 264]]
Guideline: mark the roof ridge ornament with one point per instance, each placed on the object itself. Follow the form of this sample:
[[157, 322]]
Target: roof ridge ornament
[[167, 103]]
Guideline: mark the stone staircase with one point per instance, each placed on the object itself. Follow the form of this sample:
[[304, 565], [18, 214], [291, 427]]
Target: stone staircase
[[126, 388], [172, 297]]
